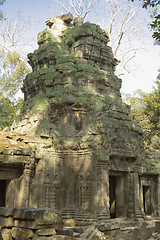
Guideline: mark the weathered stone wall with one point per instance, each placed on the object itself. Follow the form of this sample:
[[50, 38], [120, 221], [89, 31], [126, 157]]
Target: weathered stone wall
[[16, 164]]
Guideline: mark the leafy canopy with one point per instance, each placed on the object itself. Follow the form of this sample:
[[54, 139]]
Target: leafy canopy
[[145, 110], [12, 73], [1, 13], [8, 112], [155, 25]]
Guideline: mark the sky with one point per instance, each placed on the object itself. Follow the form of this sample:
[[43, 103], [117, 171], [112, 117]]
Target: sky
[[143, 69]]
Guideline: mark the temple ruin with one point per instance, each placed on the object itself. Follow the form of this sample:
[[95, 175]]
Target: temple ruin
[[74, 148]]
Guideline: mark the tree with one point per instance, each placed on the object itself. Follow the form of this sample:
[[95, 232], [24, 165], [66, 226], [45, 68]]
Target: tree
[[13, 65], [13, 68], [1, 13], [145, 110], [155, 25], [8, 112], [116, 17], [12, 73], [79, 7], [118, 20]]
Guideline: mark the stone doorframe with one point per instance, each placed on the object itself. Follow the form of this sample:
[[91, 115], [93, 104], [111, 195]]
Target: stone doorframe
[[149, 191], [118, 193]]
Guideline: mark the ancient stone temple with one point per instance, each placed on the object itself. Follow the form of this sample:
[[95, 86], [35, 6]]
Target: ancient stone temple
[[74, 148]]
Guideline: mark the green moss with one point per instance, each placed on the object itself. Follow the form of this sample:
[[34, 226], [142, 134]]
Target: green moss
[[65, 59], [73, 34], [151, 165], [103, 156], [44, 127]]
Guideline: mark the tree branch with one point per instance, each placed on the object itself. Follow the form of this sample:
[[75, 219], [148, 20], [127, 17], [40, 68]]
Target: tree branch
[[63, 6]]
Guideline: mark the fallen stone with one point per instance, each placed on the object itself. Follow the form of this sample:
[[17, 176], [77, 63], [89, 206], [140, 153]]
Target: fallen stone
[[92, 233], [6, 234], [1, 236], [37, 218], [157, 226], [55, 237], [108, 226], [65, 232], [144, 233], [69, 223], [67, 18], [50, 21], [46, 232], [75, 234], [6, 221], [19, 233], [78, 21]]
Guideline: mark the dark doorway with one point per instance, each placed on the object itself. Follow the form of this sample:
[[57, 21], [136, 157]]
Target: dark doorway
[[2, 193], [112, 194], [147, 200], [117, 195]]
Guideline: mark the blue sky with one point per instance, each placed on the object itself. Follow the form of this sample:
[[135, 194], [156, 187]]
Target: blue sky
[[144, 68], [38, 10]]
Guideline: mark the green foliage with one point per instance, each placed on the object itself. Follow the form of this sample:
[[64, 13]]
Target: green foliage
[[38, 102], [151, 3], [8, 112], [1, 13], [156, 27], [12, 72], [145, 110], [151, 165], [156, 17]]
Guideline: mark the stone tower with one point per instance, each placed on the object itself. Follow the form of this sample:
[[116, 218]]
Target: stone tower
[[88, 153]]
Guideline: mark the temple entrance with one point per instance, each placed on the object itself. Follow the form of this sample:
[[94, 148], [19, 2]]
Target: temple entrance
[[147, 200], [117, 195], [2, 193]]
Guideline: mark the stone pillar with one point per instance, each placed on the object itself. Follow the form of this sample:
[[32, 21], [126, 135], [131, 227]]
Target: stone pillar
[[130, 212], [49, 192], [102, 198], [137, 195], [120, 197], [141, 198], [25, 184]]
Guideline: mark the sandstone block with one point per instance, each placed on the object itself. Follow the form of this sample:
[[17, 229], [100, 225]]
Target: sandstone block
[[37, 218], [6, 221], [55, 237], [51, 21], [67, 18], [6, 234], [19, 233], [65, 232], [46, 232], [157, 226], [1, 236], [69, 223], [78, 21], [92, 233], [108, 226]]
